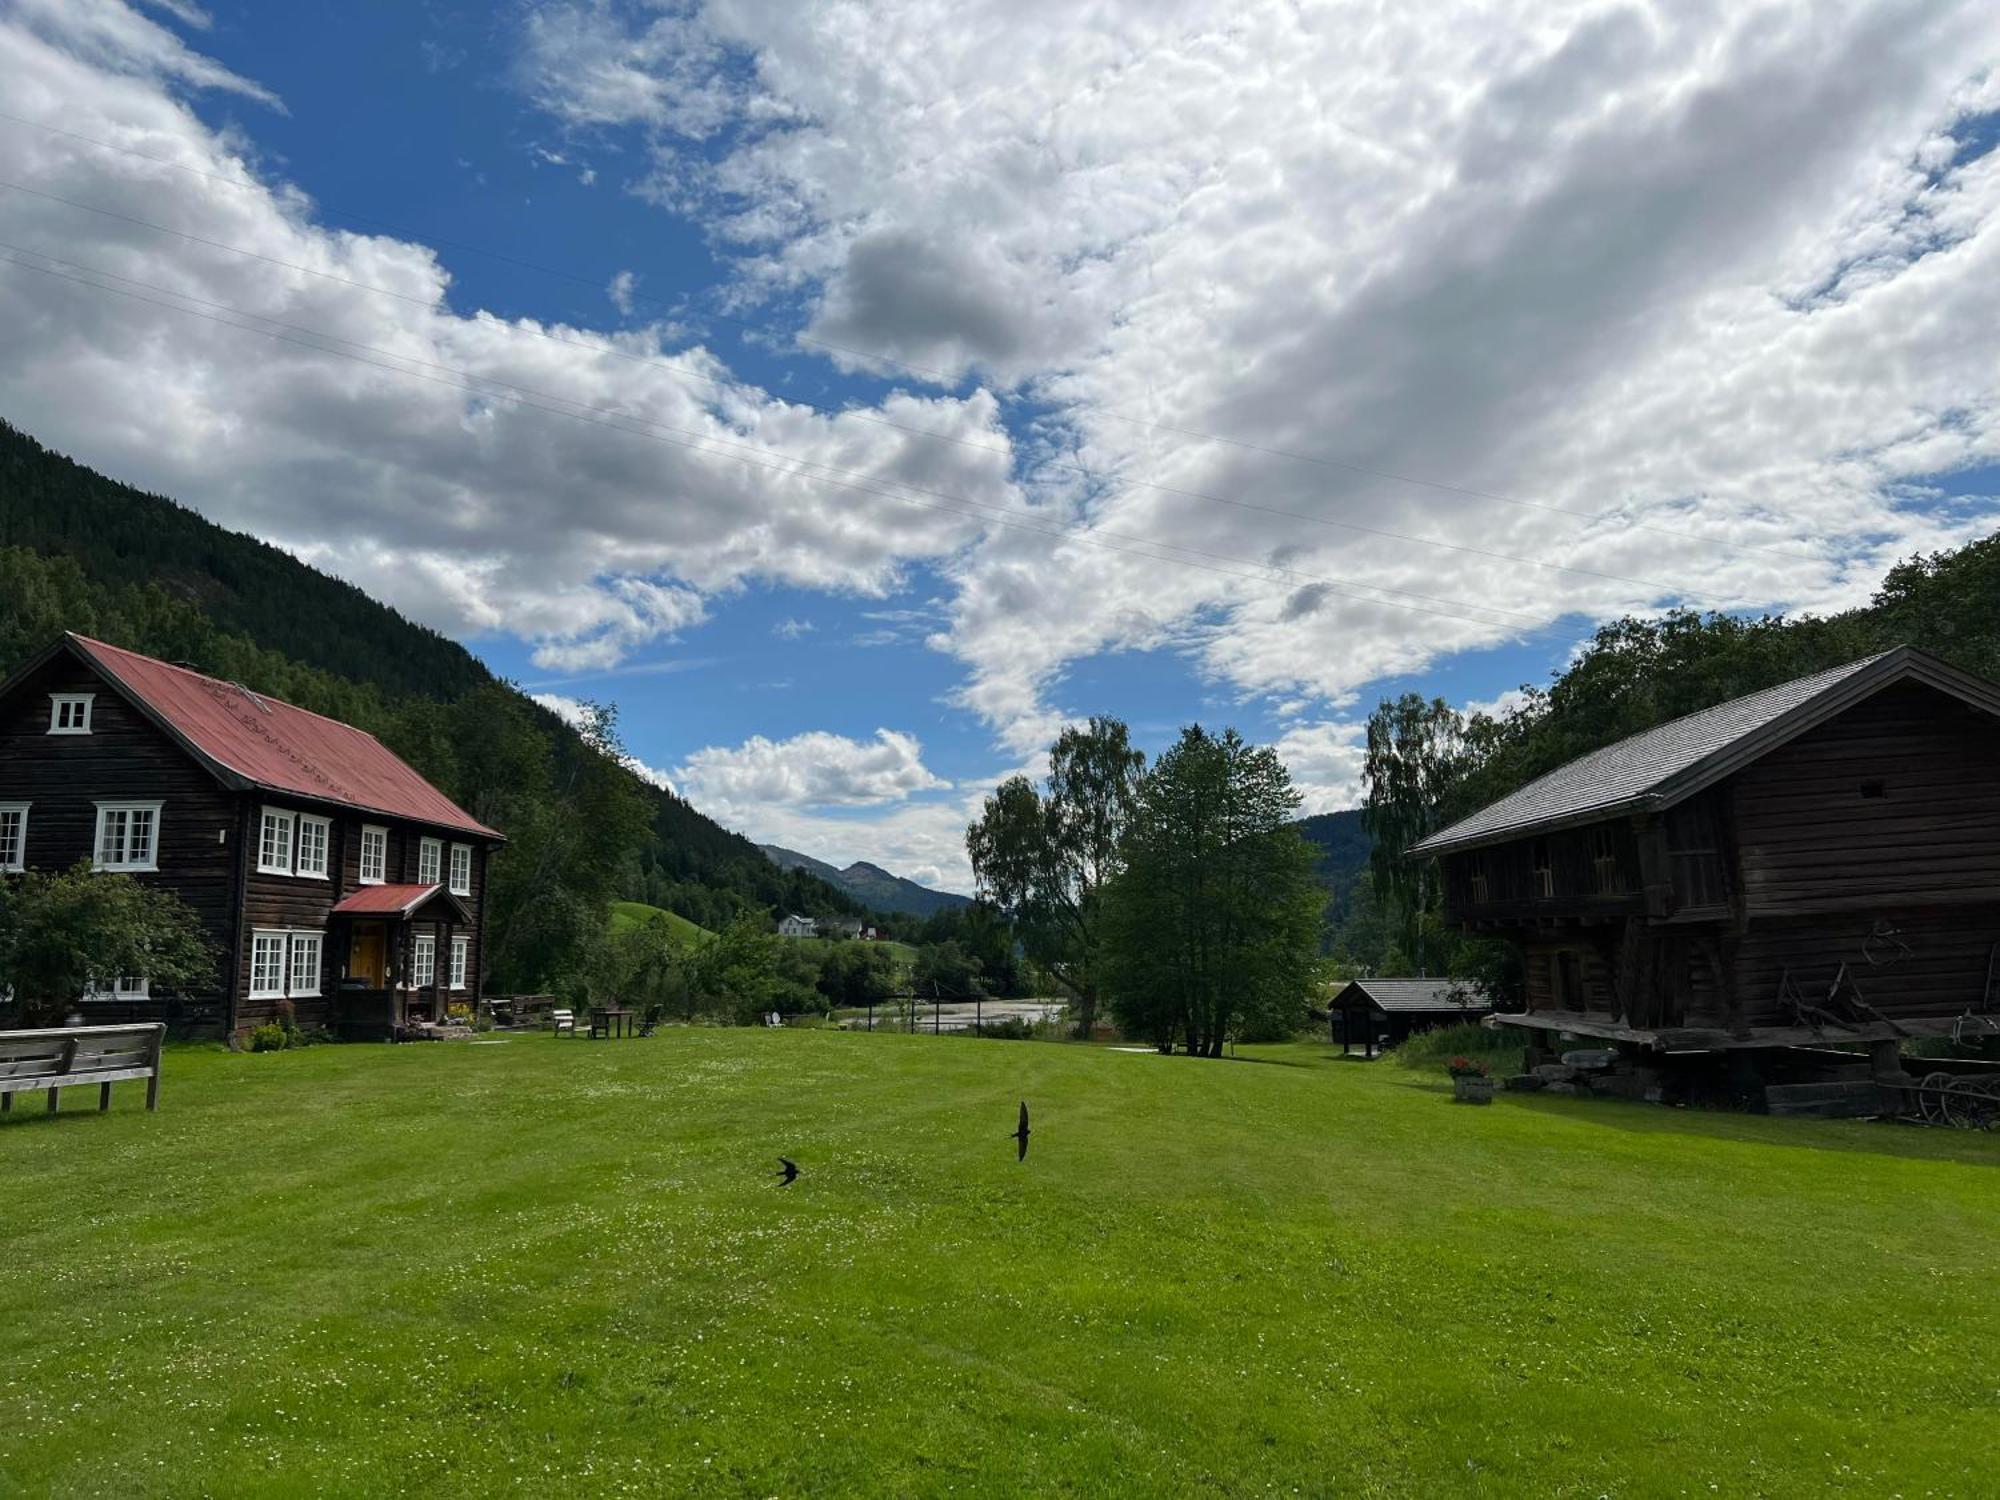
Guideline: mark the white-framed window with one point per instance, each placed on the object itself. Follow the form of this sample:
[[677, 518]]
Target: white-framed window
[[267, 964], [274, 842], [293, 843], [430, 855], [424, 961], [461, 954], [128, 835], [126, 987], [285, 963], [374, 854], [461, 869], [304, 979], [69, 713], [310, 846], [13, 836]]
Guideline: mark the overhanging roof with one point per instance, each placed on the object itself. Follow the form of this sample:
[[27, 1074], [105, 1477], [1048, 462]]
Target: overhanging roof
[[1658, 767], [401, 901]]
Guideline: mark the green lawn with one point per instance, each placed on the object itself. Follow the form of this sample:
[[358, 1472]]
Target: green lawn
[[558, 1267], [626, 914]]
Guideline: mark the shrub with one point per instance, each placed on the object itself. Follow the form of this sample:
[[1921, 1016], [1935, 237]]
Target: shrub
[[459, 1014], [270, 1037], [1435, 1049], [1009, 1029]]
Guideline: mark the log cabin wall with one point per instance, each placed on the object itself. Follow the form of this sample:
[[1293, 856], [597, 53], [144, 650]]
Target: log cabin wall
[[1895, 803], [123, 757]]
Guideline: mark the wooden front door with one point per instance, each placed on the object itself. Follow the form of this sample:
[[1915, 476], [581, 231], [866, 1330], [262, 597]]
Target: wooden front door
[[368, 955]]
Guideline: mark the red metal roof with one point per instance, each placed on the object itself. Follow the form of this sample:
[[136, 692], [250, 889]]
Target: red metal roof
[[278, 745], [384, 900]]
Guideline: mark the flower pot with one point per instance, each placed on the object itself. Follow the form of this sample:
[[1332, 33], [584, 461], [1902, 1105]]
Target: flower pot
[[1470, 1089]]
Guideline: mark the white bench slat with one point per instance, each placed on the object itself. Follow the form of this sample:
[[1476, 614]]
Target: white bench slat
[[70, 1080]]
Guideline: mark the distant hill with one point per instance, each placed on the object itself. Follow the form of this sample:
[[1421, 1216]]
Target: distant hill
[[1344, 846], [626, 914], [869, 884]]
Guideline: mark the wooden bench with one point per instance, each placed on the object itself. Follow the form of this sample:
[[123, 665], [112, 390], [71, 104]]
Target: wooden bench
[[60, 1057], [563, 1020]]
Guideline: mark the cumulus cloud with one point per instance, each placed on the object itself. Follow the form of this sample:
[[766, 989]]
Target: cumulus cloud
[[816, 769], [1703, 288], [587, 491]]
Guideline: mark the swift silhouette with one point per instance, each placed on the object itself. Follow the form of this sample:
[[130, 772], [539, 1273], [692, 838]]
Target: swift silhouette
[[789, 1171], [1021, 1133]]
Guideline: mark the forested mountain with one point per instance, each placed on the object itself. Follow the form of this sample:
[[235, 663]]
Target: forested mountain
[[869, 884], [82, 552]]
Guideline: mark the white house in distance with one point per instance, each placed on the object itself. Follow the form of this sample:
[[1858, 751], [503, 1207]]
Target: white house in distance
[[796, 926]]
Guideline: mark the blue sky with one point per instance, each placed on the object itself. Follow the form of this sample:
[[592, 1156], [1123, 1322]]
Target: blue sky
[[1160, 364]]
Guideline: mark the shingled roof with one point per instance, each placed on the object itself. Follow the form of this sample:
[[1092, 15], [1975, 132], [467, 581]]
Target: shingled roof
[[1419, 995], [249, 740], [1663, 765]]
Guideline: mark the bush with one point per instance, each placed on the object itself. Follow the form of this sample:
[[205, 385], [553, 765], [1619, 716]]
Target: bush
[[1436, 1049], [1010, 1029], [270, 1037]]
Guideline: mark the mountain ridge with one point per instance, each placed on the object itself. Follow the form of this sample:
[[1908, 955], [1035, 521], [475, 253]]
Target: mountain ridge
[[869, 883]]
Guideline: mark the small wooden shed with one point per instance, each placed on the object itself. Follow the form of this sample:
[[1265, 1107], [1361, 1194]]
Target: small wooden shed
[[1374, 1013]]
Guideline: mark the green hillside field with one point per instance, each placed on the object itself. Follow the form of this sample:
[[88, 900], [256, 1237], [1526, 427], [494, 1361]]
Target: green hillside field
[[550, 1266], [626, 914]]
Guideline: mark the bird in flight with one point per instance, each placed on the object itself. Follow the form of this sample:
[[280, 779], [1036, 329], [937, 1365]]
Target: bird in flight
[[1021, 1133], [789, 1171]]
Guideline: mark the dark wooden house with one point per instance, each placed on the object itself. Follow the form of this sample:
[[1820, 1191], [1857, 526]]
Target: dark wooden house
[[1816, 862], [328, 873], [1372, 1013]]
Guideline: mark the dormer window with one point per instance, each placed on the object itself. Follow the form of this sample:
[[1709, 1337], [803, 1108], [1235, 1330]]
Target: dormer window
[[69, 713]]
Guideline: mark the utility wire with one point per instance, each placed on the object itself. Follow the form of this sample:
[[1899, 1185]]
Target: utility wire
[[677, 372], [950, 381], [699, 442]]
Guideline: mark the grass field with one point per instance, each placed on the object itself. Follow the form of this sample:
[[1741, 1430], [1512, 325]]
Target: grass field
[[561, 1267], [626, 914]]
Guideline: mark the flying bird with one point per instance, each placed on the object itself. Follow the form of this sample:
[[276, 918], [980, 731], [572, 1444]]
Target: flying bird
[[790, 1171], [1021, 1133]]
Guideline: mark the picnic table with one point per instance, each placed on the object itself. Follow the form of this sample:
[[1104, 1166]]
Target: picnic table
[[607, 1021]]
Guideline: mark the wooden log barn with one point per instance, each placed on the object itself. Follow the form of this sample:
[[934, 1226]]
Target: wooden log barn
[[330, 876], [1815, 863], [1380, 1013]]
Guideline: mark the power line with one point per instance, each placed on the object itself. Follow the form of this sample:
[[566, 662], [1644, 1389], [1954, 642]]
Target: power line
[[948, 380], [637, 427], [677, 373]]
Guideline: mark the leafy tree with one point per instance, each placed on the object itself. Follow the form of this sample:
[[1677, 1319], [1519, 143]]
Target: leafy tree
[[856, 974], [59, 931], [946, 970], [1212, 927], [746, 970], [1045, 857]]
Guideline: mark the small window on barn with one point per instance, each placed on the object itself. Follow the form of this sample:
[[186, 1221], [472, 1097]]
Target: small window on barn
[[1604, 862], [1479, 884], [69, 713], [1874, 788], [1543, 862]]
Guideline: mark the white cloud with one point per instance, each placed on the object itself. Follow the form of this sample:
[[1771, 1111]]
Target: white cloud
[[792, 629], [816, 769], [1325, 761], [591, 492], [1719, 271], [620, 291]]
